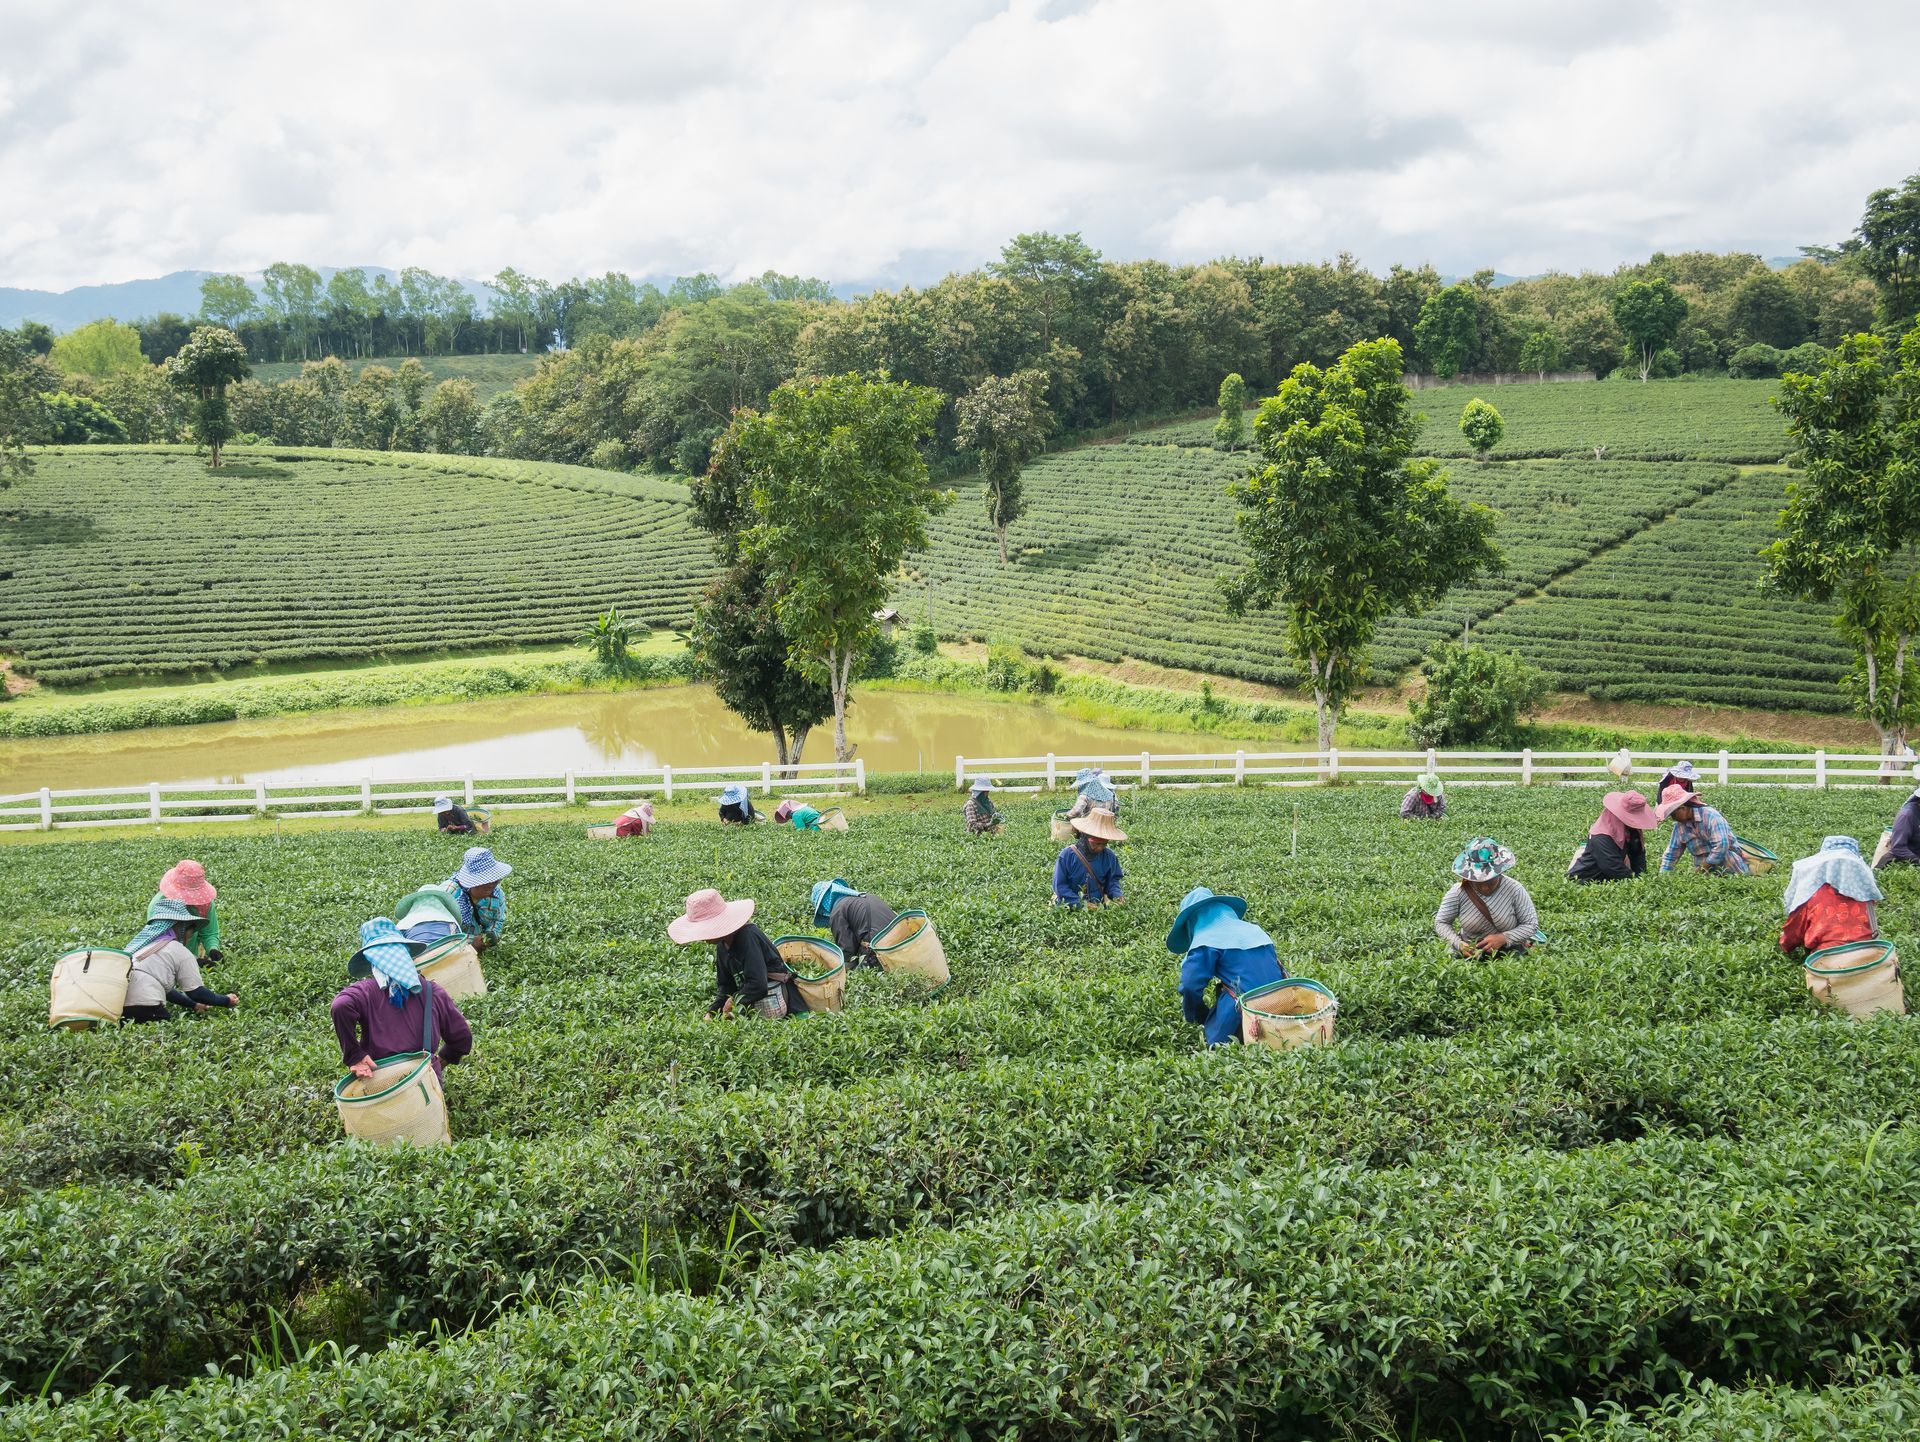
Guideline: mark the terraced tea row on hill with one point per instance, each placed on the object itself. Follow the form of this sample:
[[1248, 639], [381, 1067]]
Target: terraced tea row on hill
[[122, 561]]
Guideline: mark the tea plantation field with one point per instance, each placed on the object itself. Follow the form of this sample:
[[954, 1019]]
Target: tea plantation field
[[1638, 1169], [118, 561]]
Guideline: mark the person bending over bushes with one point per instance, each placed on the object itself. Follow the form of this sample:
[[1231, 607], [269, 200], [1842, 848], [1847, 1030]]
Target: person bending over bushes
[[1087, 873], [1701, 832], [748, 972], [1486, 910], [1427, 801], [383, 1013], [1095, 793], [735, 807], [186, 881], [1219, 947], [165, 969], [453, 819], [983, 817], [854, 917], [803, 816], [1830, 899], [1902, 842], [479, 897], [1616, 847]]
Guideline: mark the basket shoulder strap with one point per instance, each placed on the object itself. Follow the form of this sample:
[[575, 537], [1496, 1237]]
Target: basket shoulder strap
[[426, 1020], [1480, 906]]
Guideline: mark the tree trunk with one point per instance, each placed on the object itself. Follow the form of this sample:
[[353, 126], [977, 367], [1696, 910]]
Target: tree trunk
[[1324, 717], [780, 747], [837, 669], [793, 755], [1002, 533]]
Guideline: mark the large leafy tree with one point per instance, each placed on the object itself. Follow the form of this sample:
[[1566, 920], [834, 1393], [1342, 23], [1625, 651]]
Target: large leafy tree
[[1344, 528], [840, 494], [1850, 533], [1449, 329], [98, 349], [1051, 274], [23, 414], [226, 300], [1649, 313], [737, 640], [1005, 419], [210, 361], [292, 294], [1889, 249]]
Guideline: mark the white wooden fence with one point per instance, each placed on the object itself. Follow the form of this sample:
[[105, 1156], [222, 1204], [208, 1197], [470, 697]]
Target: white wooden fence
[[1522, 768], [158, 803]]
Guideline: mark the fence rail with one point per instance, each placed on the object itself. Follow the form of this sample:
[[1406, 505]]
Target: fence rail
[[162, 803], [1819, 769]]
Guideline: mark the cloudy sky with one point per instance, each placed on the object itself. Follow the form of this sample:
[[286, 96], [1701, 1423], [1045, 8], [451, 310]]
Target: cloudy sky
[[892, 140]]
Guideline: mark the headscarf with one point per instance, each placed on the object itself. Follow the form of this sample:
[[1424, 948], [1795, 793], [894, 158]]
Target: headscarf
[[389, 960], [1837, 864], [1089, 782], [162, 913]]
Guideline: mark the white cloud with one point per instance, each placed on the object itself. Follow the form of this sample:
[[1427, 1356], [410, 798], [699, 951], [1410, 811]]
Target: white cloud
[[863, 139]]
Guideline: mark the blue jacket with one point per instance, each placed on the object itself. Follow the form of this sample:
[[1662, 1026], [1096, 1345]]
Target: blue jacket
[[1238, 955], [1070, 878]]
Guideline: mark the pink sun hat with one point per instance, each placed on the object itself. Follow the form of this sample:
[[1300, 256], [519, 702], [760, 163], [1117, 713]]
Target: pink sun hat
[[187, 883], [709, 917], [1675, 798]]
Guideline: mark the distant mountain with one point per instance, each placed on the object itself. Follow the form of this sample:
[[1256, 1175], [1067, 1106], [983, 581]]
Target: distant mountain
[[131, 300]]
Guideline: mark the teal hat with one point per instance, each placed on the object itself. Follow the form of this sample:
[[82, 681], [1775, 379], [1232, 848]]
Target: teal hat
[[1180, 938], [823, 896], [383, 947]]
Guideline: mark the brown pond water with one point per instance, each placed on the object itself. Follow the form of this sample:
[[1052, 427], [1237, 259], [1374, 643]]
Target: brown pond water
[[548, 735]]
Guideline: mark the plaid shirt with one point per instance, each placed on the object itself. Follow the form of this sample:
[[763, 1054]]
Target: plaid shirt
[[1708, 839]]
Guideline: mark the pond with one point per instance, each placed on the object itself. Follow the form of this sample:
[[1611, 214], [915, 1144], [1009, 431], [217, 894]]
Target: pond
[[547, 735]]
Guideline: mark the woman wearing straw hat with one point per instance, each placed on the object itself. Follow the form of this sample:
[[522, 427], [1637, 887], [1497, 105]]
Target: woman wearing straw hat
[[1486, 910], [634, 821], [453, 819], [383, 1013], [1087, 873], [1219, 945], [165, 969], [1683, 774], [1427, 801], [1096, 793], [1830, 899], [186, 882], [983, 817], [736, 809], [1902, 842], [803, 816], [854, 917], [479, 898], [748, 973], [1616, 847], [1699, 831]]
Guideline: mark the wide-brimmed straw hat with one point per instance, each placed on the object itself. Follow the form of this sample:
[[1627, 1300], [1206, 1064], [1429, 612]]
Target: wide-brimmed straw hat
[[480, 866], [1099, 822], [709, 917], [1631, 808], [981, 783], [1180, 937], [382, 945], [823, 895], [1675, 798], [1483, 859], [187, 881]]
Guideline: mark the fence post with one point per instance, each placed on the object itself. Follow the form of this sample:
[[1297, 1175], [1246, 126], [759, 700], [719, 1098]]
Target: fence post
[[46, 809], [959, 773], [1146, 770], [1333, 763], [1723, 768], [260, 797], [1820, 768], [469, 789], [1239, 768], [1526, 767], [153, 802], [860, 774], [1052, 777], [766, 778], [1433, 759], [666, 779], [366, 793]]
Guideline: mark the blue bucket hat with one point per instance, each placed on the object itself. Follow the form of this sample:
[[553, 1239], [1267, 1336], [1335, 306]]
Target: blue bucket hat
[[732, 794], [479, 866], [1089, 779], [823, 896], [1180, 938], [387, 956]]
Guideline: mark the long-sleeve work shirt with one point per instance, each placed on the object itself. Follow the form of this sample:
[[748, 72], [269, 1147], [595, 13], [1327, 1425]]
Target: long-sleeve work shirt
[[1082, 875], [744, 967], [368, 1024], [1458, 921], [1708, 839], [855, 921], [1829, 919], [1238, 970]]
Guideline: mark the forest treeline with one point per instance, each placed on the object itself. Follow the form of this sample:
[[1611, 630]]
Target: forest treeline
[[634, 375]]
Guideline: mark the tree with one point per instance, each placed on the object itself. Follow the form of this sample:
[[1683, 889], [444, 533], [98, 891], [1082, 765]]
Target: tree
[[1480, 423], [1850, 533], [1343, 527], [226, 300], [840, 495], [23, 415], [1542, 352], [1754, 362], [351, 308], [210, 361], [1047, 271], [35, 337], [450, 419], [514, 302], [1474, 697], [1765, 311], [161, 335], [1649, 315], [1889, 237], [98, 349], [292, 293], [1005, 419], [1449, 329], [1230, 431], [611, 638], [80, 420]]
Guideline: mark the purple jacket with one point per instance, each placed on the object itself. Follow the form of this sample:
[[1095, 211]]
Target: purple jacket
[[369, 1025]]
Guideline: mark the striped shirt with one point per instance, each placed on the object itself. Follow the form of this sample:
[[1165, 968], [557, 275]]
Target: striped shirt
[[1708, 839], [1511, 907]]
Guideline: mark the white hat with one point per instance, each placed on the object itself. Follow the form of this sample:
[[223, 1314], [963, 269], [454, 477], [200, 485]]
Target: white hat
[[442, 803]]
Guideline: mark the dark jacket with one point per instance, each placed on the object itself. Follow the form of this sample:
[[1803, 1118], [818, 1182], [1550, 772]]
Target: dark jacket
[[855, 921], [747, 966], [1601, 859], [1906, 833]]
